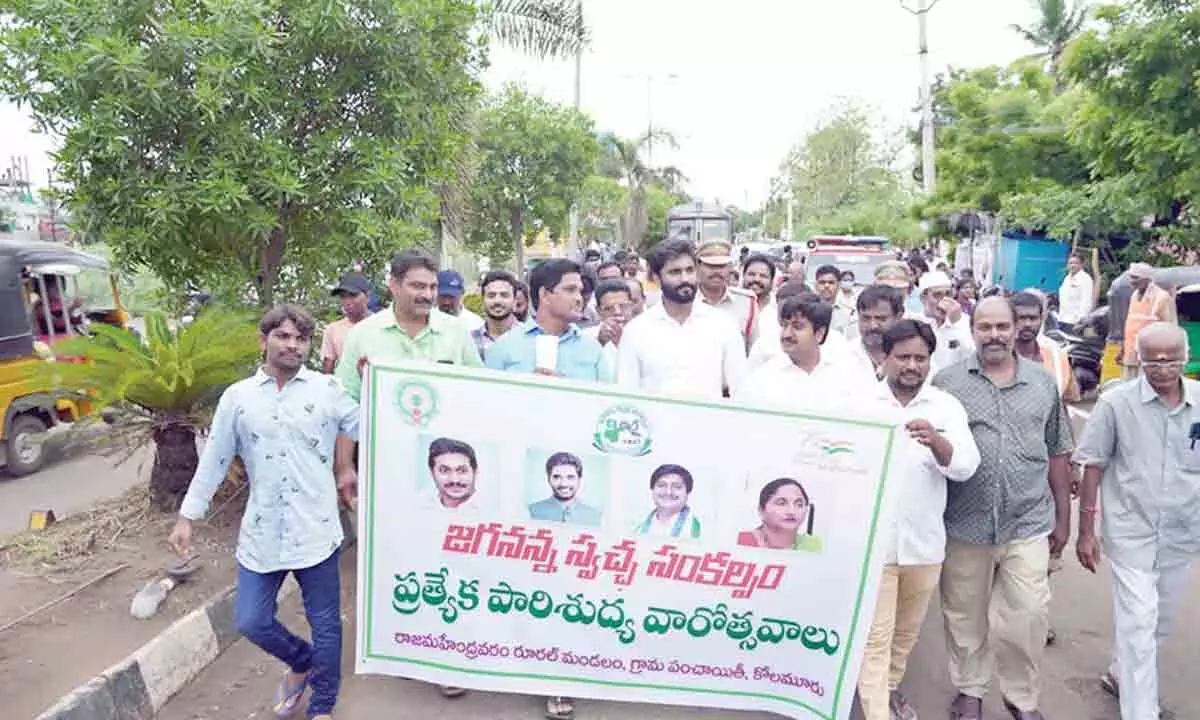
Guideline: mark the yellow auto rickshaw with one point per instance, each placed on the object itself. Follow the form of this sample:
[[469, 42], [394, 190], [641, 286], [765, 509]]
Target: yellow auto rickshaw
[[1184, 284], [49, 292]]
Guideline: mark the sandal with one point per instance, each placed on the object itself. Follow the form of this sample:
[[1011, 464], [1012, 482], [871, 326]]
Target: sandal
[[966, 707], [287, 697], [452, 692], [1108, 683], [560, 708]]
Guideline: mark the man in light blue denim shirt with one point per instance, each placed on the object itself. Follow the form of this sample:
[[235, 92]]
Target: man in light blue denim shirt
[[283, 422], [556, 291]]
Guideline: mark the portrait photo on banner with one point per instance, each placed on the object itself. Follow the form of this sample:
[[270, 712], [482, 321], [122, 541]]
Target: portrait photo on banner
[[784, 503], [457, 475], [566, 485]]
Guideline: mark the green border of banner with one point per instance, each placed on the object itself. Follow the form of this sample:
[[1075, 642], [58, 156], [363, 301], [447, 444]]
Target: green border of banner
[[607, 391]]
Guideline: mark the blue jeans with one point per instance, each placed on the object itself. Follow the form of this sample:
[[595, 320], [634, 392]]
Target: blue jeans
[[254, 612]]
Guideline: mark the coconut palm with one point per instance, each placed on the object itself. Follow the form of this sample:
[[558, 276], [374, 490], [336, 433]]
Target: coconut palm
[[160, 389], [1058, 23], [542, 29], [622, 160]]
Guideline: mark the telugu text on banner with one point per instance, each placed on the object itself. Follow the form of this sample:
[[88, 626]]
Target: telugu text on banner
[[546, 537]]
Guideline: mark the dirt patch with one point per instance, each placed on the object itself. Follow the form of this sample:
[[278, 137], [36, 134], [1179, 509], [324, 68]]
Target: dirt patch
[[61, 647]]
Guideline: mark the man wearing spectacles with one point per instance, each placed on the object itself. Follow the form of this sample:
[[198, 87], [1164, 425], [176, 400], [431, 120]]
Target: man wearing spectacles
[[1141, 457], [614, 307]]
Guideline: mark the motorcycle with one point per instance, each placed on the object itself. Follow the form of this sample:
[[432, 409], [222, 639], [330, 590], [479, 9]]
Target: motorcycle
[[1084, 344]]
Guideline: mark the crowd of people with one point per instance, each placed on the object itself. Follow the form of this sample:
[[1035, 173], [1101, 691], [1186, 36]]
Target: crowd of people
[[982, 479]]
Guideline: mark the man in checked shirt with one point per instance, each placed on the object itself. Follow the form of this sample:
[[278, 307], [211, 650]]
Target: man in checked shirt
[[1004, 523]]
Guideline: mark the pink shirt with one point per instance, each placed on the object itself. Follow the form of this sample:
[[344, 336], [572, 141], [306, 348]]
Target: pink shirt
[[334, 338]]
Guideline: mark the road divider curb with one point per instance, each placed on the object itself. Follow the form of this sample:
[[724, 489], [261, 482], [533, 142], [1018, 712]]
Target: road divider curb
[[137, 687]]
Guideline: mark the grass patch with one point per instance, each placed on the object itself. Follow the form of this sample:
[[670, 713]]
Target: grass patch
[[72, 540]]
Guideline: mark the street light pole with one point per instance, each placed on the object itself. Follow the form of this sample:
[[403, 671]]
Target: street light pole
[[928, 165], [573, 216]]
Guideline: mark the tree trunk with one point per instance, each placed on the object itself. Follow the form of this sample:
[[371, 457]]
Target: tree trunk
[[270, 258], [175, 461], [518, 233]]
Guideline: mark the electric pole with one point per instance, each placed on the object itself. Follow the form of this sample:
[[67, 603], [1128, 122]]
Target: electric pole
[[928, 166], [573, 216]]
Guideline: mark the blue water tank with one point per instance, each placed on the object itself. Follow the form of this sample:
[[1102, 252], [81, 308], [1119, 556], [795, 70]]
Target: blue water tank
[[1024, 262]]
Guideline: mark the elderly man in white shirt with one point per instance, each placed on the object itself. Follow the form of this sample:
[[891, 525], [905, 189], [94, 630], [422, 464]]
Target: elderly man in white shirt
[[937, 446], [1141, 460], [680, 346], [804, 375], [944, 314], [1075, 298]]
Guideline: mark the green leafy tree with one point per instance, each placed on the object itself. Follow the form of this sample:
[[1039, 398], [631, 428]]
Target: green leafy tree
[[162, 390], [1058, 22], [601, 204], [534, 158], [265, 145], [621, 159]]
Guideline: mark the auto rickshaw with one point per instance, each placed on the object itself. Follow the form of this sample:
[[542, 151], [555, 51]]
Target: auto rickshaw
[[49, 292], [1184, 281]]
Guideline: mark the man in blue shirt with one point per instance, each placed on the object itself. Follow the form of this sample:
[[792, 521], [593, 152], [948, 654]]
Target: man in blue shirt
[[283, 422], [564, 473], [556, 292]]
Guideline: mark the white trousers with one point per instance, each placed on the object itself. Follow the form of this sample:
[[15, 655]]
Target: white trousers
[[1144, 605]]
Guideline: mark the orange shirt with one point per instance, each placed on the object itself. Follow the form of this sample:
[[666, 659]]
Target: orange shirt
[[1154, 305]]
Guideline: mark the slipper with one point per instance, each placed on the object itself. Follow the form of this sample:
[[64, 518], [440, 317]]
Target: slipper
[[287, 697], [966, 707], [1108, 683], [560, 708], [452, 692]]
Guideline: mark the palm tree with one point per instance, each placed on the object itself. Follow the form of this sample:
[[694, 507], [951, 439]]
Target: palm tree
[[162, 389], [1057, 25], [542, 29], [622, 160]]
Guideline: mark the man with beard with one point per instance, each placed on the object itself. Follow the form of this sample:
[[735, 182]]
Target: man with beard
[[413, 329], [804, 375], [521, 302], [353, 292], [629, 262], [944, 314], [287, 424], [713, 280], [679, 346], [1033, 345], [994, 585], [499, 293], [758, 276], [556, 287], [877, 306], [564, 474], [939, 447]]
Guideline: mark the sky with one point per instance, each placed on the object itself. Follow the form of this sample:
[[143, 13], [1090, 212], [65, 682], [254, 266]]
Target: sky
[[738, 82]]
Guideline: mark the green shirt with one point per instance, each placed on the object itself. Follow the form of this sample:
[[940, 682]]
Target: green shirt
[[445, 339]]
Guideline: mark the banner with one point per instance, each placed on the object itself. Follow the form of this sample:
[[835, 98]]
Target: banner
[[540, 536]]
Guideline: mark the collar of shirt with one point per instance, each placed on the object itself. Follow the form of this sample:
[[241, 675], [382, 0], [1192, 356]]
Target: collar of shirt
[[883, 391], [302, 375], [1024, 374], [482, 330], [437, 324], [1147, 394], [658, 313], [572, 332]]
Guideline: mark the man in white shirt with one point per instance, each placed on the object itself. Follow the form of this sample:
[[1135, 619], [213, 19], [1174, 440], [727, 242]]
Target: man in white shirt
[[768, 348], [805, 375], [680, 346], [1075, 299], [878, 307], [615, 307], [944, 314], [936, 446]]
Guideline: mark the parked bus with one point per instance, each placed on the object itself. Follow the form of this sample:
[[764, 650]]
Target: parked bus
[[699, 222], [860, 254]]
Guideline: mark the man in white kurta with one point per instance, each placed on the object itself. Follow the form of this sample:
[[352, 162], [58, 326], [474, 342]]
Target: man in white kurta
[[1141, 456]]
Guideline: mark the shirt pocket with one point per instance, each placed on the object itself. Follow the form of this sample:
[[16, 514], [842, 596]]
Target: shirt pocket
[[1187, 451]]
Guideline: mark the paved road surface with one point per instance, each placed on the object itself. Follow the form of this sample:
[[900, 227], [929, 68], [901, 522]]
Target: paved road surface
[[68, 483], [239, 685]]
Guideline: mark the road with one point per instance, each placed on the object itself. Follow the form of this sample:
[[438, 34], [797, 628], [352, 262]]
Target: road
[[71, 481], [240, 684]]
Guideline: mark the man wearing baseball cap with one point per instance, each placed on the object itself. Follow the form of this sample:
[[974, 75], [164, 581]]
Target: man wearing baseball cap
[[353, 291], [450, 299], [715, 259]]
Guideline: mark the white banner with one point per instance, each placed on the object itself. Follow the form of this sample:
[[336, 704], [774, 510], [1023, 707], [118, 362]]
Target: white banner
[[533, 535]]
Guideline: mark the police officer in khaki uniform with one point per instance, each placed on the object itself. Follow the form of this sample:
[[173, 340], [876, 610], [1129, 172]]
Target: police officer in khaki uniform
[[716, 260]]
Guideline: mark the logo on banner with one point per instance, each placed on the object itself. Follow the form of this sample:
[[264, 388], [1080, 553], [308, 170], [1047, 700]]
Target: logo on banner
[[622, 430], [417, 402]]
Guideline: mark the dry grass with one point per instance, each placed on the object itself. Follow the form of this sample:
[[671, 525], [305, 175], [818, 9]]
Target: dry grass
[[72, 542]]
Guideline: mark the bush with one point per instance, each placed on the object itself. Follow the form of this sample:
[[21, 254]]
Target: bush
[[474, 303]]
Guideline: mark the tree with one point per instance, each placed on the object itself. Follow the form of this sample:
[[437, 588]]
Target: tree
[[263, 144], [621, 159], [1058, 23], [162, 390], [534, 159], [601, 204], [538, 28]]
